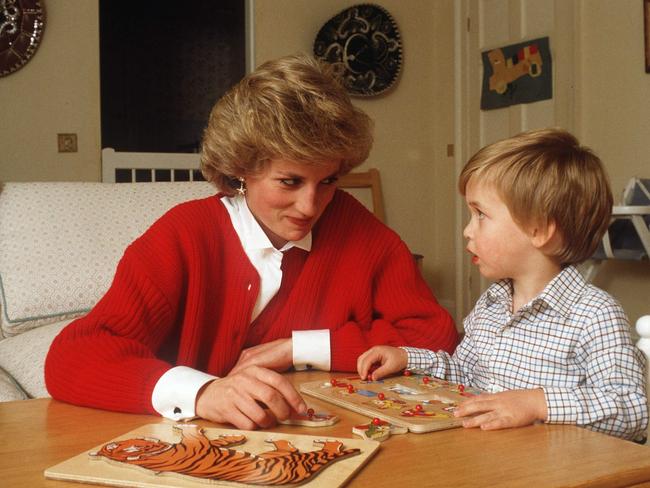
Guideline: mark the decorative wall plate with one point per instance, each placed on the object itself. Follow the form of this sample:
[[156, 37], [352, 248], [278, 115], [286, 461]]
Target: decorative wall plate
[[364, 46], [21, 28]]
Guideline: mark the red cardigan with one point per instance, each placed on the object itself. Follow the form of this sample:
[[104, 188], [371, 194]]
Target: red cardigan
[[184, 291]]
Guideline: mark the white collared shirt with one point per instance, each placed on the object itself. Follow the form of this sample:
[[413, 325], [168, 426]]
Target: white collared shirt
[[265, 258], [174, 395]]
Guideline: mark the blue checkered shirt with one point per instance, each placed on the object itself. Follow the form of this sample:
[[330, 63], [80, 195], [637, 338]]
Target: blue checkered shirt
[[573, 340]]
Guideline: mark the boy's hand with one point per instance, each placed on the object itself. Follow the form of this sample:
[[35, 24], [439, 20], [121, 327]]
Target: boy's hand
[[514, 408], [390, 359]]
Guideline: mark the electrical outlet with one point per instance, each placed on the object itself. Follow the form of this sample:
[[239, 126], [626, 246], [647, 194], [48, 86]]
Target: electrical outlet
[[67, 142]]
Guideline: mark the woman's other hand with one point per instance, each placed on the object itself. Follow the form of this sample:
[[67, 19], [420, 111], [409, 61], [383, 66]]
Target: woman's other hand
[[251, 398], [276, 355], [390, 360]]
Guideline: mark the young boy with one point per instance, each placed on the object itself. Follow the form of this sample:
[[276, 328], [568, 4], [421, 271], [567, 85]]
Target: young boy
[[543, 343]]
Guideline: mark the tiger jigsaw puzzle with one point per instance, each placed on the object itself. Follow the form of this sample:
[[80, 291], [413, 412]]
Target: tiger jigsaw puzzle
[[224, 459]]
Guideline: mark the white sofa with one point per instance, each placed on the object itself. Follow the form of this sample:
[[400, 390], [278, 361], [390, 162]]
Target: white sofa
[[59, 246]]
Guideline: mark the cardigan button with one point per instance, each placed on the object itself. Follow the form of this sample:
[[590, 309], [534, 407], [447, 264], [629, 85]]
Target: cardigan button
[[250, 285]]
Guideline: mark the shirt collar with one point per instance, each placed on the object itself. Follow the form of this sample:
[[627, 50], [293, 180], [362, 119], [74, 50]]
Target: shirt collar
[[560, 294], [500, 292], [564, 290], [251, 233]]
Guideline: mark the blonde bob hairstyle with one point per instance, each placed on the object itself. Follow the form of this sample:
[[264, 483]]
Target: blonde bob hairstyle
[[545, 176], [292, 108]]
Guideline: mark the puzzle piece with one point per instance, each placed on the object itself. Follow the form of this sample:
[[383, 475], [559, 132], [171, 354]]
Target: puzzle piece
[[377, 430], [311, 419], [389, 403], [419, 411]]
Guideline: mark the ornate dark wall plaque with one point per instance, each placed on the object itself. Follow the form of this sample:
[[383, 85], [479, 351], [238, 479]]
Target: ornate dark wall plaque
[[21, 29], [364, 46]]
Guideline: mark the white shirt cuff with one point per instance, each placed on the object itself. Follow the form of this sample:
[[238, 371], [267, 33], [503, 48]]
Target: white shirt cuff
[[174, 396], [311, 349]]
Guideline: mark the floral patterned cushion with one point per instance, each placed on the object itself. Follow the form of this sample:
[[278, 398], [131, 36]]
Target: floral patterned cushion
[[60, 242]]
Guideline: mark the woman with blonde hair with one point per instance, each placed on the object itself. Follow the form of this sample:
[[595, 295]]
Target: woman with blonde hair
[[279, 270]]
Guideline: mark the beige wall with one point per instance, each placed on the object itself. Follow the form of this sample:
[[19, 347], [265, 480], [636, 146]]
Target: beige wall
[[56, 92], [613, 118], [413, 122]]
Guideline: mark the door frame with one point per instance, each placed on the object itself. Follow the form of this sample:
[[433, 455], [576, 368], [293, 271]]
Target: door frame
[[566, 47]]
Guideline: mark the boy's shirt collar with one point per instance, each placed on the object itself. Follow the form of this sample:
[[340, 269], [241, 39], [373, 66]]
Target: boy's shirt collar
[[559, 294], [564, 290], [500, 292]]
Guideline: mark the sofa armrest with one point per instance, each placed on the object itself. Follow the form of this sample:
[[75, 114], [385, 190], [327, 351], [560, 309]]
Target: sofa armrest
[[10, 390]]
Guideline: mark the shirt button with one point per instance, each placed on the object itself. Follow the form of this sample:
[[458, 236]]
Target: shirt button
[[249, 287]]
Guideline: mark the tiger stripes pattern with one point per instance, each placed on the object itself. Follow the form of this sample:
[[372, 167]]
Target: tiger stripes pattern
[[196, 455]]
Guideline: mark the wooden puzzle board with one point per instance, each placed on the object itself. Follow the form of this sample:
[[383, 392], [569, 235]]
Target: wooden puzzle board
[[417, 402], [85, 468]]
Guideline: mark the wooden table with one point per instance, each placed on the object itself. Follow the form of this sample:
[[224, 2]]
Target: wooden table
[[36, 434]]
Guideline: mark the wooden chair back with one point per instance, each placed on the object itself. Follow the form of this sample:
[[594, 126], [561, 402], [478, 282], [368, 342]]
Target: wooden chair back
[[367, 179]]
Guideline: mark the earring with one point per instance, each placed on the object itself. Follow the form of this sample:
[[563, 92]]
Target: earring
[[242, 186]]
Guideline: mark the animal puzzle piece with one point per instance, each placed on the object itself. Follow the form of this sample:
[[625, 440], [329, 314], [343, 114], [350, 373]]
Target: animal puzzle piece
[[197, 456], [427, 389], [377, 430], [419, 411], [436, 384], [311, 419], [388, 403], [412, 412]]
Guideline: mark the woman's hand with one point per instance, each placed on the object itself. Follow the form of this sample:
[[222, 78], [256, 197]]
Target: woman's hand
[[514, 408], [276, 355], [254, 397], [391, 359]]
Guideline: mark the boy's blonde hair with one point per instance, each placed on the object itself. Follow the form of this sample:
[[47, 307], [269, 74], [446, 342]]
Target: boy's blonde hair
[[546, 176], [292, 108]]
